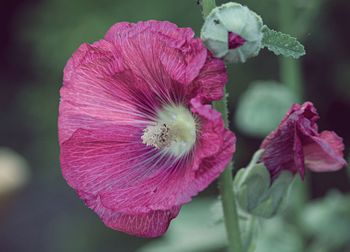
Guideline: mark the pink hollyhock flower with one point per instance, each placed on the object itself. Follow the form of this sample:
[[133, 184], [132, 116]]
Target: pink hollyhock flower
[[296, 143], [138, 135]]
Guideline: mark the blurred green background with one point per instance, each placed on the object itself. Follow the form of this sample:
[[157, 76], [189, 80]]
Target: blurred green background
[[38, 37]]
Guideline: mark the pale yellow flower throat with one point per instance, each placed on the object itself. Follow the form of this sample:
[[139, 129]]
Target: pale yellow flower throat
[[174, 130]]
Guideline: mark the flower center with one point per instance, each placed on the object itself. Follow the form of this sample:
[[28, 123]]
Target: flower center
[[174, 130]]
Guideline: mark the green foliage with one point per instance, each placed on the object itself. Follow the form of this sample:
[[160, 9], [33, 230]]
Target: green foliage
[[193, 230], [282, 44], [274, 200], [279, 236], [207, 6], [327, 222], [262, 107], [307, 11], [251, 185], [257, 194], [250, 227], [201, 229], [320, 226]]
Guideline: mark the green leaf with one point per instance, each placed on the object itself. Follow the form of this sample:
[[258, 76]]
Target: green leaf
[[282, 44]]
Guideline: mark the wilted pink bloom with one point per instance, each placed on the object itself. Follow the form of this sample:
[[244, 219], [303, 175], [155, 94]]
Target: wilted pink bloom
[[138, 135], [297, 144]]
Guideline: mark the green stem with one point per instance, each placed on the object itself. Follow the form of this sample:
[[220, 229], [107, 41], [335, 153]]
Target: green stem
[[290, 68], [225, 180], [290, 76], [207, 6], [227, 194]]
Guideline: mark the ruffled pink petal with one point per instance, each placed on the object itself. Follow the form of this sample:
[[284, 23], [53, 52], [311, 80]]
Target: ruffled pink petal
[[168, 32], [137, 193], [96, 160], [129, 176], [325, 152], [99, 92], [186, 177], [184, 64], [213, 153], [213, 72], [150, 224], [113, 163], [152, 47]]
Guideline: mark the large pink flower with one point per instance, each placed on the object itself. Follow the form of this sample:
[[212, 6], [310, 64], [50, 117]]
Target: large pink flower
[[138, 135], [296, 143]]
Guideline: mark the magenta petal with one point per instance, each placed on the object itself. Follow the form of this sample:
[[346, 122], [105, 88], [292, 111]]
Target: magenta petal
[[177, 182], [296, 143], [215, 146], [149, 224], [235, 41], [183, 64], [213, 72], [298, 158], [165, 47], [279, 151], [325, 152], [129, 177], [92, 160], [89, 97]]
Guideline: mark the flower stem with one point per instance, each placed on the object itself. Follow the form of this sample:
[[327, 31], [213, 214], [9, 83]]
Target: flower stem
[[227, 194], [225, 180], [207, 6], [290, 68]]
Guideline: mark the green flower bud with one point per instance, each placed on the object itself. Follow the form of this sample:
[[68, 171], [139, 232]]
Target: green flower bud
[[257, 194], [233, 32]]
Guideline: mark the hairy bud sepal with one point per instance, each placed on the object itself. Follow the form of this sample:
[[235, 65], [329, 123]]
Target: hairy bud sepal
[[257, 194]]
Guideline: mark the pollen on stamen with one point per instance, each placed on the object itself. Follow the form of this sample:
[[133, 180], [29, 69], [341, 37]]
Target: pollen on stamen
[[174, 131], [158, 136]]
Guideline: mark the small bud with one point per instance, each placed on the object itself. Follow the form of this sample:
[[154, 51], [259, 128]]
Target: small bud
[[257, 194], [233, 32]]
